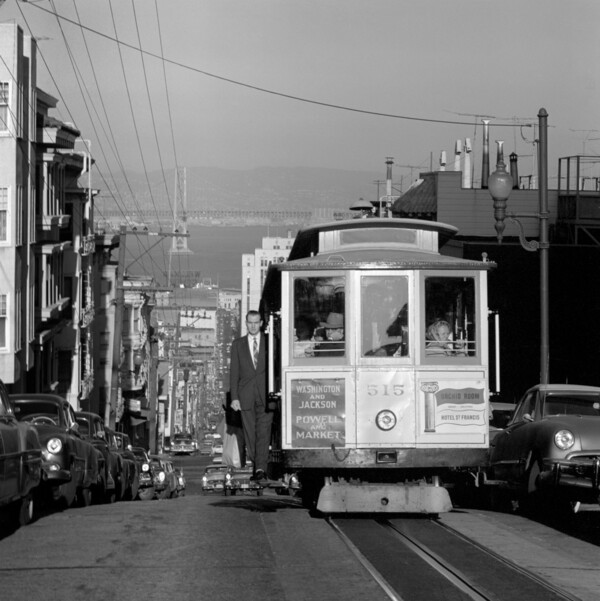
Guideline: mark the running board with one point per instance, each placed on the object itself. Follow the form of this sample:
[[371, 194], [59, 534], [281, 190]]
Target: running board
[[342, 497]]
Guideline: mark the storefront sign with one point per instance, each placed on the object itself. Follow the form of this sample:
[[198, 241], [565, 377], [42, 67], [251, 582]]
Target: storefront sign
[[318, 412]]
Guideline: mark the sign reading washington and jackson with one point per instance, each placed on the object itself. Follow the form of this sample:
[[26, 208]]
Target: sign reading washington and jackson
[[318, 409]]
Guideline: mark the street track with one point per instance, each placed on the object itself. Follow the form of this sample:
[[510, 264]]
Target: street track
[[419, 559]]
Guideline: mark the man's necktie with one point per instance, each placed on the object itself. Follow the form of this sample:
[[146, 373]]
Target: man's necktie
[[255, 351]]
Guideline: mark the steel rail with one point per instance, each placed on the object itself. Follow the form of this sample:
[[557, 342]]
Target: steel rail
[[517, 568], [373, 572]]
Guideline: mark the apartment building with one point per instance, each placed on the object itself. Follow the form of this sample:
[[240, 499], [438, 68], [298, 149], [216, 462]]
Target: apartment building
[[255, 266], [50, 258]]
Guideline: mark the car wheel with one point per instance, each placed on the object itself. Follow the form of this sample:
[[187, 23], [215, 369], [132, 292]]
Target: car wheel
[[68, 493], [24, 510], [135, 489], [146, 493], [84, 497], [530, 498]]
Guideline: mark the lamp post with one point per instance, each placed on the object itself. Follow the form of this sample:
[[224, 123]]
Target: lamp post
[[500, 184]]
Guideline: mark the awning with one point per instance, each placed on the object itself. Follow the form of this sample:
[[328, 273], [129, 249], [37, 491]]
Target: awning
[[139, 418]]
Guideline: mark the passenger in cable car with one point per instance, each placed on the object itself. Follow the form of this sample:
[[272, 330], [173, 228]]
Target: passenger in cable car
[[303, 338], [439, 340], [331, 338]]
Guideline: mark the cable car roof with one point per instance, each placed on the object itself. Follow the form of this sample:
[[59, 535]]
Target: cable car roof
[[378, 232]]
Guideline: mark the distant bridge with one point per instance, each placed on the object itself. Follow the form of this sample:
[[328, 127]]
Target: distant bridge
[[228, 217]]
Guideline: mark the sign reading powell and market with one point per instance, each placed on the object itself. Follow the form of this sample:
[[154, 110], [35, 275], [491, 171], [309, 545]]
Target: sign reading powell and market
[[318, 408]]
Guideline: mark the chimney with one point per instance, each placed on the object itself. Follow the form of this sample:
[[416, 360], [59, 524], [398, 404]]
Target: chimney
[[389, 161], [457, 153], [485, 167], [384, 203], [467, 181], [443, 161], [514, 170]]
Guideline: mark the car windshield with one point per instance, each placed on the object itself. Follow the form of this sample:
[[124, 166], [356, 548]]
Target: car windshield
[[85, 427], [27, 411], [572, 404], [212, 470]]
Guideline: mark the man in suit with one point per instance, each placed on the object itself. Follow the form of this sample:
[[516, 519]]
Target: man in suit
[[248, 386]]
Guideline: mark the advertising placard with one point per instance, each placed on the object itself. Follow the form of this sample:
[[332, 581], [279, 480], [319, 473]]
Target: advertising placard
[[318, 412], [452, 407]]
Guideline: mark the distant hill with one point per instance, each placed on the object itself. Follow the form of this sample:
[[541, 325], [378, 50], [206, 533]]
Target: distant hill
[[265, 188]]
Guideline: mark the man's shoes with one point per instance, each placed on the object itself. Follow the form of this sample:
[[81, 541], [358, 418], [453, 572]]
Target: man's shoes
[[260, 478]]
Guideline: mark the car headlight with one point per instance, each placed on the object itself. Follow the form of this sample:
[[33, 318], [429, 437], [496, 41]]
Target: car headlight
[[161, 477], [564, 439], [54, 445], [204, 479], [228, 477], [145, 467]]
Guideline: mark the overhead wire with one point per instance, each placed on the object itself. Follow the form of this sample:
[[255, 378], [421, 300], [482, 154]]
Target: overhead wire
[[273, 92], [134, 121], [114, 145], [65, 104]]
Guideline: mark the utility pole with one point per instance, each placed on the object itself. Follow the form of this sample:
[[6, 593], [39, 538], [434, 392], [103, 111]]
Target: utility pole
[[174, 358], [112, 403]]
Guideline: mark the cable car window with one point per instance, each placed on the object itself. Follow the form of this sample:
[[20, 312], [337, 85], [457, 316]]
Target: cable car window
[[384, 316], [450, 319], [319, 317]]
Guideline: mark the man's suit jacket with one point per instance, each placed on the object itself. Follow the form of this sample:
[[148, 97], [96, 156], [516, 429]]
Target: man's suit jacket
[[246, 382]]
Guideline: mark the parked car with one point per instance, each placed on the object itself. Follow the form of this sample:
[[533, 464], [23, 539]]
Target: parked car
[[146, 490], [207, 448], [549, 452], [165, 481], [218, 448], [69, 463], [91, 428], [20, 465], [132, 482], [239, 479], [213, 479], [183, 444]]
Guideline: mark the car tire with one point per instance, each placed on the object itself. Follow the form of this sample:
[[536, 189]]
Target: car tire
[[146, 494], [24, 510], [83, 497], [530, 499], [68, 493]]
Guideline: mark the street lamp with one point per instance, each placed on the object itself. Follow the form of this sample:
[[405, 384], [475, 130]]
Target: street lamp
[[500, 184]]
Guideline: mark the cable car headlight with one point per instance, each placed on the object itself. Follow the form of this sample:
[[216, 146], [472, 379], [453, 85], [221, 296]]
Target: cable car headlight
[[385, 420], [564, 439]]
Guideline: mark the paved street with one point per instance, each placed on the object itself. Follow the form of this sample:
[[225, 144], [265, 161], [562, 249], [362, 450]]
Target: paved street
[[193, 547]]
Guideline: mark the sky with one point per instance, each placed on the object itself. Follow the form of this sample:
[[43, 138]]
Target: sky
[[339, 84]]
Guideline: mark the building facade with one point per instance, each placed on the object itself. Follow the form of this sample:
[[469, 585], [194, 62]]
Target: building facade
[[255, 266]]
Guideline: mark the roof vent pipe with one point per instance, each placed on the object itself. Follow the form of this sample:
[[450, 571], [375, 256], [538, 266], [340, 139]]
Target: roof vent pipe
[[457, 153], [485, 166], [467, 179], [514, 170], [443, 161]]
